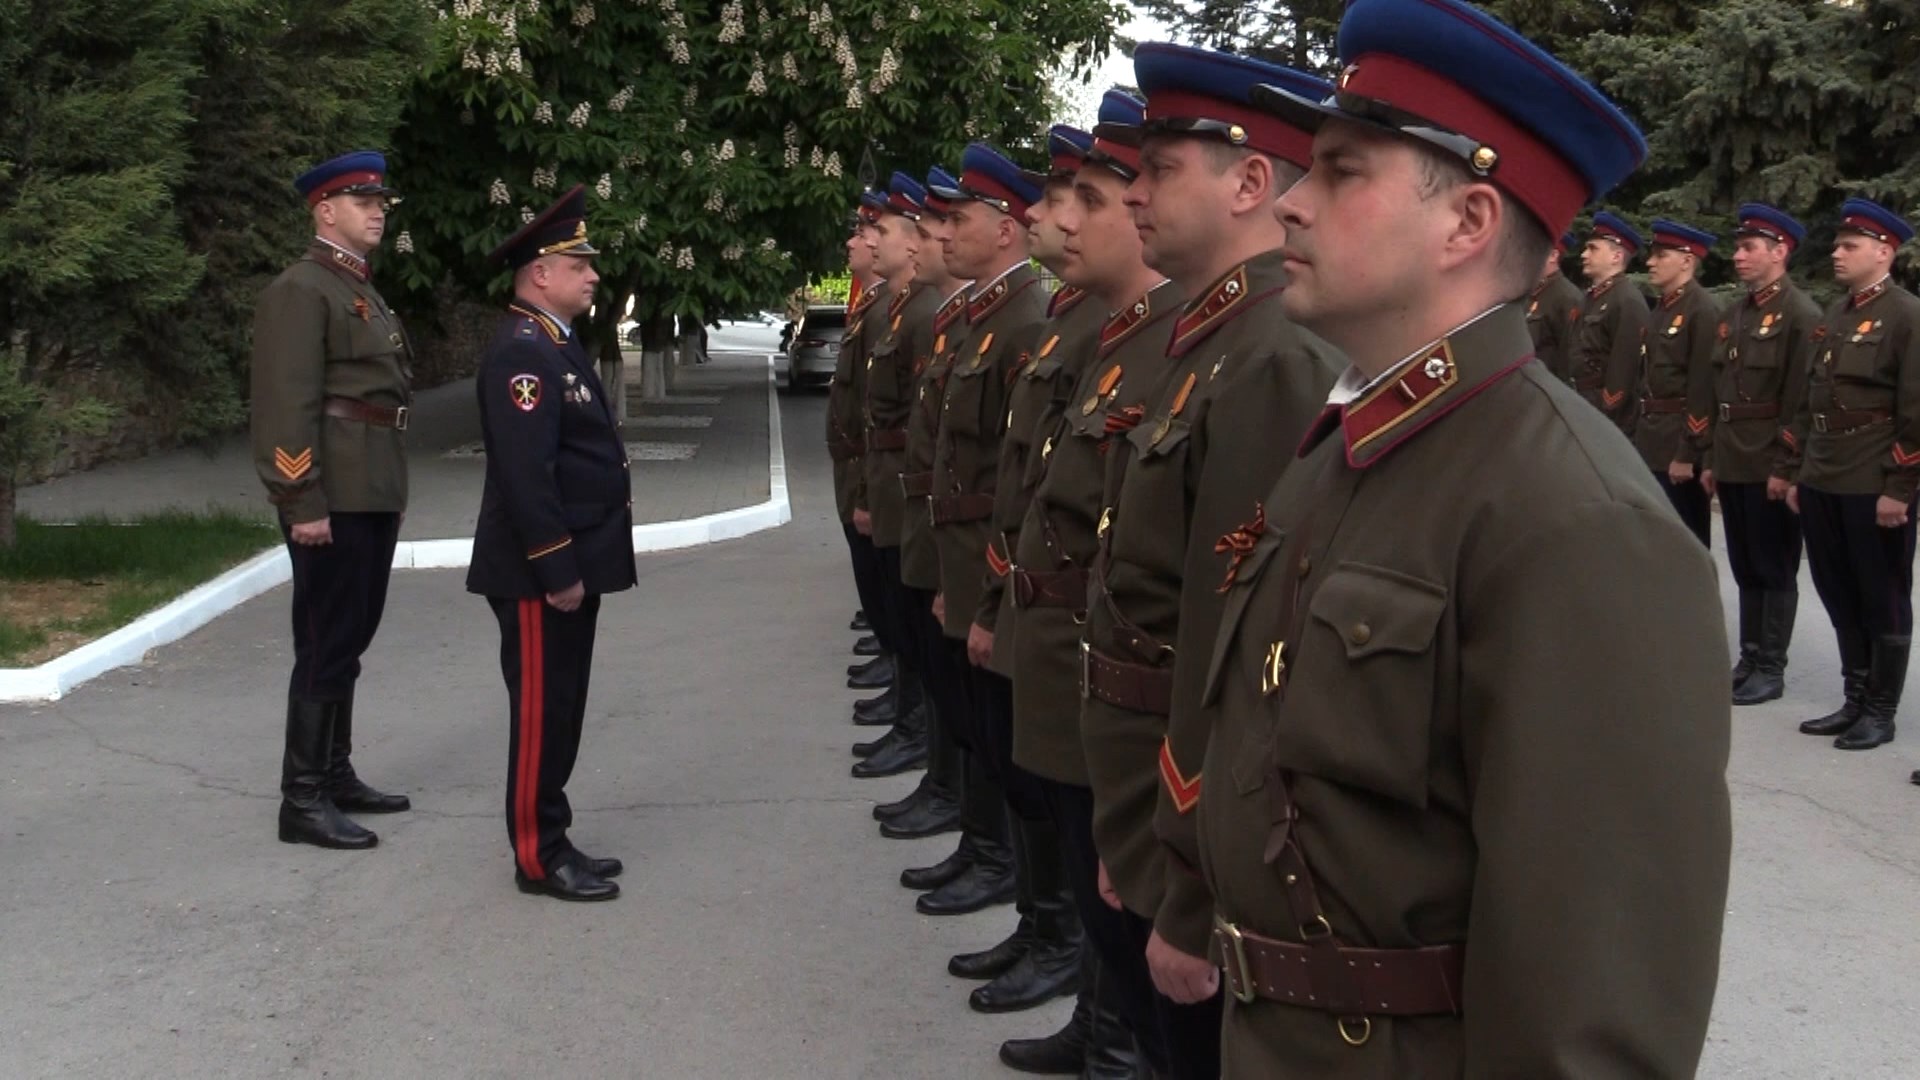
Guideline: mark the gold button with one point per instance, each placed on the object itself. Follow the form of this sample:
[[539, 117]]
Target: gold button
[[1360, 634]]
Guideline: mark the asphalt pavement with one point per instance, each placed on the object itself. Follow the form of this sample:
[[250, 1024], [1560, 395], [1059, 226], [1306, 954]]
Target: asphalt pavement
[[151, 925]]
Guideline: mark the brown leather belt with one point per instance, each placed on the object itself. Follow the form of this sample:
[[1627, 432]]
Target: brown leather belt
[[846, 449], [1758, 410], [950, 509], [1050, 589], [914, 485], [1123, 685], [373, 415], [1348, 982], [887, 439], [1588, 384], [1663, 406], [1848, 421]]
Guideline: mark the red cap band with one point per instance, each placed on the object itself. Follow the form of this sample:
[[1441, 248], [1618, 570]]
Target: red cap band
[[1679, 243], [341, 183], [1266, 132], [1017, 206], [1525, 167]]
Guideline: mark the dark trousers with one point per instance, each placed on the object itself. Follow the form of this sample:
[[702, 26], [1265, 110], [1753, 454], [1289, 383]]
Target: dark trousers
[[1864, 573], [1763, 539], [546, 656], [993, 706], [1691, 501], [896, 604], [1179, 1041], [867, 582], [339, 593]]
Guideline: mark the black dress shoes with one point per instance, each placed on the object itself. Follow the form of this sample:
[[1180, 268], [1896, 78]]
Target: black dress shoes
[[932, 817], [907, 753], [979, 887], [355, 797], [927, 878], [859, 625], [569, 880], [996, 960], [601, 868], [872, 675], [867, 646]]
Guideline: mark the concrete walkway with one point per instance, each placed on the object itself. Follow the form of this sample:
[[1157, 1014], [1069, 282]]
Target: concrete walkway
[[151, 926], [701, 450]]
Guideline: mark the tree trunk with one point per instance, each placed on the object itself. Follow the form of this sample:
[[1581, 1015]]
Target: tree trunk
[[655, 338], [9, 496]]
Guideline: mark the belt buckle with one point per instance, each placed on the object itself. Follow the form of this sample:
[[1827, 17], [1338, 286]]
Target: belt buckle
[[1086, 670], [1236, 956], [1820, 423], [400, 418], [1726, 412]]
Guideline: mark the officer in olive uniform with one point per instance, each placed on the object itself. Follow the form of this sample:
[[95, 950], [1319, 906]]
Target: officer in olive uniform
[[986, 240], [1675, 430], [555, 533], [889, 385], [329, 380], [1612, 322], [983, 832], [1428, 858], [1219, 245], [1766, 342], [1553, 309], [1858, 431], [846, 440], [1040, 960]]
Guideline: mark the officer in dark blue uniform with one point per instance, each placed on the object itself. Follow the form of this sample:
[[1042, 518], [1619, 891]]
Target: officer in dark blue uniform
[[555, 532]]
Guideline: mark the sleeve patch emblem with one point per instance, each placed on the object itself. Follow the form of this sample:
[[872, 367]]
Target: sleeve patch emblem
[[293, 466], [526, 392]]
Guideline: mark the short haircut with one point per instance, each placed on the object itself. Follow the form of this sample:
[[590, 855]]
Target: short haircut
[[1223, 156], [1524, 242]]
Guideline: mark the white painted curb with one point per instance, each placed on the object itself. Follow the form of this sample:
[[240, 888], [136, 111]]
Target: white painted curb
[[130, 644]]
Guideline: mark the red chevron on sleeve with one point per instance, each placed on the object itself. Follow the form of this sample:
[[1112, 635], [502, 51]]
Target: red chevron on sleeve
[[1697, 425], [1613, 397], [1786, 436], [1185, 792], [1905, 458]]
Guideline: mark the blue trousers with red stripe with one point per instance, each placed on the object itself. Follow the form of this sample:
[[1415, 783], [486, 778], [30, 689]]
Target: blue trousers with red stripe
[[547, 657]]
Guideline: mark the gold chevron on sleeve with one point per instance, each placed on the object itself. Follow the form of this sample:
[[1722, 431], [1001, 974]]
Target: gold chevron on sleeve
[[293, 466]]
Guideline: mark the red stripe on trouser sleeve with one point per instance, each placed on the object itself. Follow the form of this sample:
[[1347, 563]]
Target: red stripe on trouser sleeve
[[526, 838]]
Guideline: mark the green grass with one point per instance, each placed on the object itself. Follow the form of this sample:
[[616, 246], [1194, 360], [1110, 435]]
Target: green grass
[[109, 574]]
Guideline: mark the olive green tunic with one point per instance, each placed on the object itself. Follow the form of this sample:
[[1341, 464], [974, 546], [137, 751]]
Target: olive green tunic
[[1135, 604], [1057, 351], [932, 347], [1606, 349], [1760, 377], [321, 331], [890, 380], [1677, 374], [1001, 315], [846, 425], [1552, 313], [1859, 425], [1126, 353], [1482, 661]]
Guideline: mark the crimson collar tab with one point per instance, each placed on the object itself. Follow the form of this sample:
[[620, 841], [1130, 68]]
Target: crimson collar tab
[[1445, 73]]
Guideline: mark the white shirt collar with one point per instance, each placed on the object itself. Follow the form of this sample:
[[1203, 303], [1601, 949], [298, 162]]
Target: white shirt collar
[[1352, 385]]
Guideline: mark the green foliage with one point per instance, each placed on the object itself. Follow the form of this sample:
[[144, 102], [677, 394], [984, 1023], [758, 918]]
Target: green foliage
[[119, 571], [722, 139]]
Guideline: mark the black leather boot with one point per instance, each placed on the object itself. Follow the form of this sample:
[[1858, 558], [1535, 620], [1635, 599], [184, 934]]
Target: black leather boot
[[928, 878], [871, 675], [1063, 1053], [1111, 1053], [307, 815], [867, 646], [908, 749], [1750, 608], [902, 696], [1768, 680], [343, 787], [997, 959], [934, 806], [988, 878], [859, 625], [1050, 968], [1855, 656], [1884, 682]]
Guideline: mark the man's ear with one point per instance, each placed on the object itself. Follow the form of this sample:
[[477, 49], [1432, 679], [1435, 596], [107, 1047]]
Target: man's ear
[[1256, 191]]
